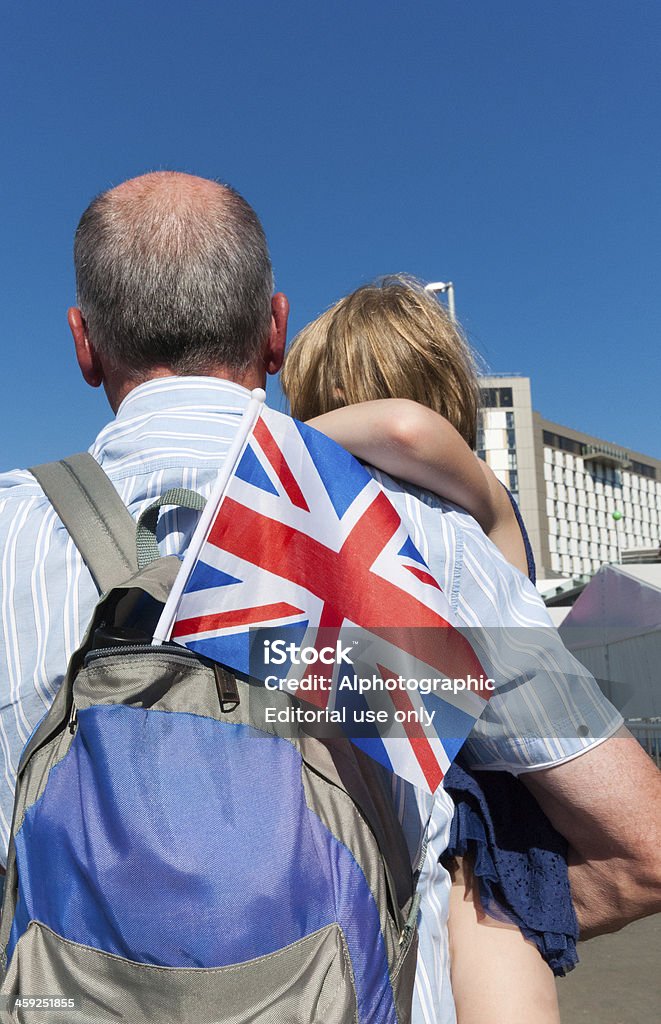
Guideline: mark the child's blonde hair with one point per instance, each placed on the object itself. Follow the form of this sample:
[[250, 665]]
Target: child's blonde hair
[[389, 339]]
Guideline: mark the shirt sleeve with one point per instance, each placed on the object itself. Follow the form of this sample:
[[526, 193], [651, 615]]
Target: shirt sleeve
[[546, 707]]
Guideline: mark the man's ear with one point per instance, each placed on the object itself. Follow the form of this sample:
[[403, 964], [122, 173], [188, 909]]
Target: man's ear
[[275, 350], [88, 360]]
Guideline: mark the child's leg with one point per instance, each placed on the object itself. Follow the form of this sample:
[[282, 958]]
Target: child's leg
[[497, 976]]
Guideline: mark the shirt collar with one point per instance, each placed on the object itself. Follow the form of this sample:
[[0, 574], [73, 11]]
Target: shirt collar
[[183, 392]]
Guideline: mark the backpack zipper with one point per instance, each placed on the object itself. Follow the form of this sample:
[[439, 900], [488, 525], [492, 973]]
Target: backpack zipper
[[407, 934], [73, 718], [228, 692], [120, 649], [411, 922]]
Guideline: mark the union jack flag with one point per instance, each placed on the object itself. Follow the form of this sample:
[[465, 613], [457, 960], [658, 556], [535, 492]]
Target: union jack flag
[[305, 541]]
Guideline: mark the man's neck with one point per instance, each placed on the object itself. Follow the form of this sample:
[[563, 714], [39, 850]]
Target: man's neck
[[117, 389]]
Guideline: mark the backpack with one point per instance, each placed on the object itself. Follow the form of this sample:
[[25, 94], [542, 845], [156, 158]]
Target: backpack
[[171, 859]]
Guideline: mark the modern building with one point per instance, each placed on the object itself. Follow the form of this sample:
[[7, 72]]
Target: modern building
[[569, 484]]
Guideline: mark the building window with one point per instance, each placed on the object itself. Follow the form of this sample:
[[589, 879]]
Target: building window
[[643, 470], [497, 398], [566, 444]]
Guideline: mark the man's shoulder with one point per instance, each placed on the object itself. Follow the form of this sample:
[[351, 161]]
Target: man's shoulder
[[24, 512], [482, 586], [399, 491], [18, 484], [438, 519]]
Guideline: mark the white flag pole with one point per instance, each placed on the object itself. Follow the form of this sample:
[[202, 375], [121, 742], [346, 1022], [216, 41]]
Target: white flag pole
[[246, 426]]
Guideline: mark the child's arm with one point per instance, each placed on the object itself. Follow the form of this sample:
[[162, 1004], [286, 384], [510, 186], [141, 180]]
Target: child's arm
[[414, 443], [497, 975]]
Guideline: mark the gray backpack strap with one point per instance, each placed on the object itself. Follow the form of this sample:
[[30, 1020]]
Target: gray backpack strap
[[95, 516]]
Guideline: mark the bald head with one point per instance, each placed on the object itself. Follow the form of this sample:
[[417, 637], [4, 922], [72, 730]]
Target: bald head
[[169, 188], [173, 273]]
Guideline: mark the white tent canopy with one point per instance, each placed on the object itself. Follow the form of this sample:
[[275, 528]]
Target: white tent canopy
[[614, 629]]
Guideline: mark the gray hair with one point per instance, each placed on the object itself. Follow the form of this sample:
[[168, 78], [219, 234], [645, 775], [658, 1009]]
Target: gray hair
[[172, 274]]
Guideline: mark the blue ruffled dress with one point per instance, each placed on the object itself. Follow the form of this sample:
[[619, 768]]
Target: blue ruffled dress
[[519, 860]]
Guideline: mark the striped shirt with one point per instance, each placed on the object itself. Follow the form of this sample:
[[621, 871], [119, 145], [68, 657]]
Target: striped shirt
[[176, 432]]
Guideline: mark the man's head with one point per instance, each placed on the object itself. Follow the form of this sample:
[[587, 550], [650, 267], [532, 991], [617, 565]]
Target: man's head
[[174, 277]]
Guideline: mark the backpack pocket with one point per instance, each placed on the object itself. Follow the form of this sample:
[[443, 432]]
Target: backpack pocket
[[195, 845], [307, 982]]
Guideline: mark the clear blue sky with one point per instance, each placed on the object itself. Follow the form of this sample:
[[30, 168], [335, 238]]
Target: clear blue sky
[[512, 147]]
